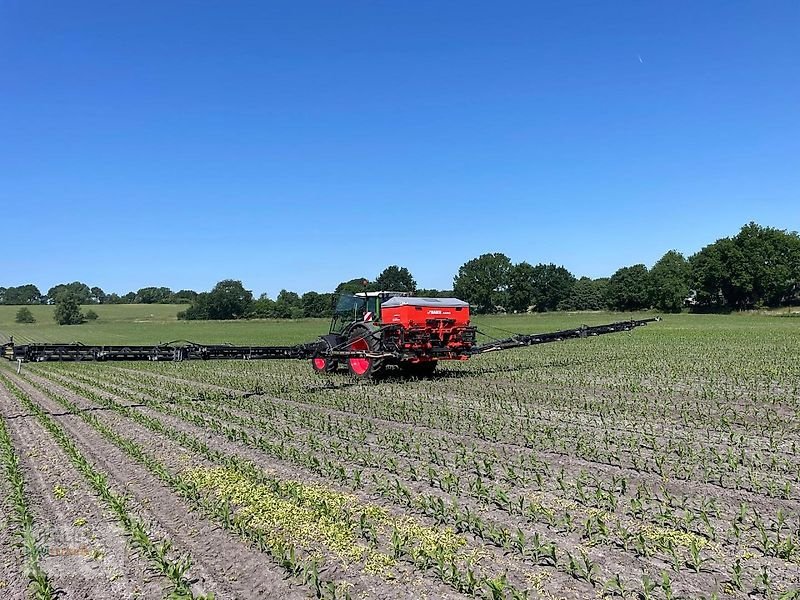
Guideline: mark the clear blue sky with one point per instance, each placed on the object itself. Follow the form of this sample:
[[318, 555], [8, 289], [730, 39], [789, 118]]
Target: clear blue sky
[[297, 144]]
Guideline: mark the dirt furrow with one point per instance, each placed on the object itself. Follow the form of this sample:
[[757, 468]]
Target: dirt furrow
[[221, 563], [12, 580], [87, 553], [561, 459]]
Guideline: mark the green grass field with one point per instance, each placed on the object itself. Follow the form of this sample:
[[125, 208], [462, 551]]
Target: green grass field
[[153, 323]]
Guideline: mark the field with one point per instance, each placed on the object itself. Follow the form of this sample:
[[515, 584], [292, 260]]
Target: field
[[661, 463], [153, 323]]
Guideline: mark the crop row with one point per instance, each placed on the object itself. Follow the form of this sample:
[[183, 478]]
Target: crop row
[[424, 547], [157, 552], [570, 563], [666, 510], [21, 517]]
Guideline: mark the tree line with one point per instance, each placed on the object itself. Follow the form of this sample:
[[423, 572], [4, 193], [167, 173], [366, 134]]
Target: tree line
[[758, 267], [83, 294]]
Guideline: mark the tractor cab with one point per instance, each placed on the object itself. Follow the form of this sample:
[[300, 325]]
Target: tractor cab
[[360, 307]]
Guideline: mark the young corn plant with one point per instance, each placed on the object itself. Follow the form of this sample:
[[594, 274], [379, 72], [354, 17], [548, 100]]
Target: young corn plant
[[736, 575], [38, 582], [614, 586], [649, 587]]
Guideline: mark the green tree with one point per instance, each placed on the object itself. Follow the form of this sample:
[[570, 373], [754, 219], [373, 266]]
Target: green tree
[[24, 294], [199, 309], [353, 286], [669, 282], [98, 296], [91, 315], [184, 297], [586, 294], [760, 266], [551, 286], [80, 292], [483, 282], [24, 315], [433, 293], [263, 308], [317, 305], [288, 305], [153, 295], [68, 310], [770, 258], [709, 275], [396, 279], [629, 288], [521, 287], [228, 300]]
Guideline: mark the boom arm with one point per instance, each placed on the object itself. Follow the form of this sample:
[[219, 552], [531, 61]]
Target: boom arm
[[583, 331], [183, 350]]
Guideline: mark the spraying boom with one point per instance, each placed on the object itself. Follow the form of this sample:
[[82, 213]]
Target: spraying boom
[[369, 331]]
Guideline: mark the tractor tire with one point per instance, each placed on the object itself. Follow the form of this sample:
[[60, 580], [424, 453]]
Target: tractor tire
[[326, 343], [324, 365], [361, 338], [420, 370]]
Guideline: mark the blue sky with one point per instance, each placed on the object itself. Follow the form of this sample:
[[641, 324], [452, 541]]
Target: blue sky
[[297, 144]]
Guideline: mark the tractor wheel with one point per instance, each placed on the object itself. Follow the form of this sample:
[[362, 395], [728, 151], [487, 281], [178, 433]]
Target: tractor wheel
[[361, 338], [419, 369], [324, 365]]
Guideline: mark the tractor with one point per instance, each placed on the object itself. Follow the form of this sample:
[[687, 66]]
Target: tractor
[[378, 329]]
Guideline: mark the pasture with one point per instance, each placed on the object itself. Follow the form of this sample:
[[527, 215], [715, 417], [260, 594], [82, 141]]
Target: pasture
[[661, 463]]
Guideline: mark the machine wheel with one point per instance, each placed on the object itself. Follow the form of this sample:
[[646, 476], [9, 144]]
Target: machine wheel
[[324, 365], [361, 338], [419, 369]]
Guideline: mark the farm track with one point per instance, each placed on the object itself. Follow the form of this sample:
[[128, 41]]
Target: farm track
[[222, 564], [87, 556]]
